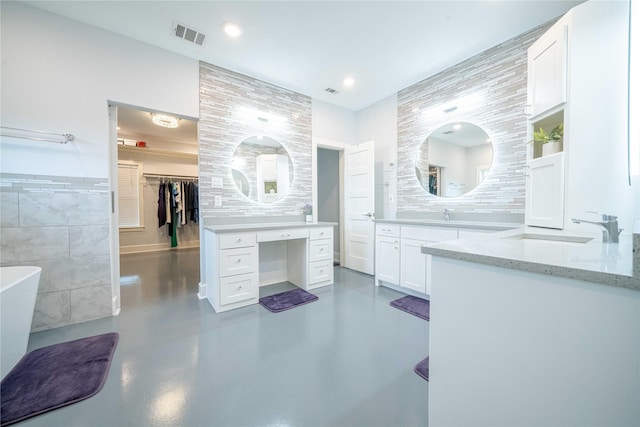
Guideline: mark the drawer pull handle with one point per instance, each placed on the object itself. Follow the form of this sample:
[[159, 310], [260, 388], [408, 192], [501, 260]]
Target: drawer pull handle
[[239, 239], [321, 233], [239, 287], [321, 271], [239, 260], [321, 249]]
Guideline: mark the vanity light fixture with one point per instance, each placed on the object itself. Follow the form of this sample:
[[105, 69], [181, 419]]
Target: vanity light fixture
[[232, 29], [164, 120], [348, 81]]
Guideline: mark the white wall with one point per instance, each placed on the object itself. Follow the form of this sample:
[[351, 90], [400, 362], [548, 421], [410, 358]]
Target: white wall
[[379, 123], [58, 75], [596, 175], [333, 123]]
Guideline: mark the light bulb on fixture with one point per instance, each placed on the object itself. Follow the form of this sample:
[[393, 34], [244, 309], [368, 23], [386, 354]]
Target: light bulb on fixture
[[164, 120], [457, 126]]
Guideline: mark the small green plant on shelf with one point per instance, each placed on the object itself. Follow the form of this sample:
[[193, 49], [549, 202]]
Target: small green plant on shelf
[[543, 136]]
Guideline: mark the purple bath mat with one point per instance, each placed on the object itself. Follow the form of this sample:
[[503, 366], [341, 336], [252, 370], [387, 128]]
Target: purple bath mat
[[286, 300], [422, 368], [55, 376], [414, 305]]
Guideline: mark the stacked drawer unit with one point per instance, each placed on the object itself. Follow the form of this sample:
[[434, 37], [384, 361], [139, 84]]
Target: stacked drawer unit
[[234, 270], [320, 250]]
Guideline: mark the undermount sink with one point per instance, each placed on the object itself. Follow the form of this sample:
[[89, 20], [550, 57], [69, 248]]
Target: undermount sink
[[575, 240]]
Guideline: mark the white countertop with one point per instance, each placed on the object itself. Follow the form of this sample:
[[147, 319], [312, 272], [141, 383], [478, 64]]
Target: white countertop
[[229, 228], [594, 261], [481, 225]]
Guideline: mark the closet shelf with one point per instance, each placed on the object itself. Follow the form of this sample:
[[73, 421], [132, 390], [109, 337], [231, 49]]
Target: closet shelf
[[157, 152]]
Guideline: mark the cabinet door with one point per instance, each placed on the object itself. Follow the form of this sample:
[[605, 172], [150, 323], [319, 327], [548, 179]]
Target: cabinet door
[[413, 266], [544, 205], [547, 69], [388, 259]]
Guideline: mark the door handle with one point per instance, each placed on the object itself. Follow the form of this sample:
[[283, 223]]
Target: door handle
[[369, 214]]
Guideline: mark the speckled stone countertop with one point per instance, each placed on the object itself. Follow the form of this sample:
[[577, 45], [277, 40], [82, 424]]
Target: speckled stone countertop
[[479, 225], [553, 252], [230, 228]]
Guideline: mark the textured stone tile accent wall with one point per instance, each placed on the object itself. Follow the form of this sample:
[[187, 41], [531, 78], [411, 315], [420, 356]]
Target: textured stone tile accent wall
[[490, 90], [60, 224], [229, 106]]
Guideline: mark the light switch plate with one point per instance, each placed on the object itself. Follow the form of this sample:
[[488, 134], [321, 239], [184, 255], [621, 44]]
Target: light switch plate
[[217, 200], [216, 182]]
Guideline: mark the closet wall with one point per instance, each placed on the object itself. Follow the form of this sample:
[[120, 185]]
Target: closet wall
[[165, 158]]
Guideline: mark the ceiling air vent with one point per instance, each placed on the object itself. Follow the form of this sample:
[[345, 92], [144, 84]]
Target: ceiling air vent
[[188, 34], [331, 91]]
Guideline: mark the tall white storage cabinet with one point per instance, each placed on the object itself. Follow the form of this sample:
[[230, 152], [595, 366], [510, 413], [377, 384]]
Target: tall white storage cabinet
[[547, 106]]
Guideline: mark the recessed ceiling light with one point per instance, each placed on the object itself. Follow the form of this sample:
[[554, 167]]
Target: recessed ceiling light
[[348, 81], [164, 120], [232, 29]]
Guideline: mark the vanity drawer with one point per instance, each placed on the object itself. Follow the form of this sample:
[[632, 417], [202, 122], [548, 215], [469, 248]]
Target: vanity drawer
[[429, 234], [238, 261], [235, 240], [320, 271], [390, 230], [284, 234], [320, 250], [238, 288], [321, 233]]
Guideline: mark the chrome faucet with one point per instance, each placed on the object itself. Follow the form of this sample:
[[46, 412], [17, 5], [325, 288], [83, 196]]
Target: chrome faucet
[[447, 214], [611, 231]]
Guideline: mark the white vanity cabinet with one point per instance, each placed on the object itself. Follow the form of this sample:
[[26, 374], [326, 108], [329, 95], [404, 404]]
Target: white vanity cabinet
[[231, 270], [387, 267], [399, 260], [239, 262]]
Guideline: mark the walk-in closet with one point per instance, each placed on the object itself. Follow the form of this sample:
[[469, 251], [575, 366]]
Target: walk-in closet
[[158, 205]]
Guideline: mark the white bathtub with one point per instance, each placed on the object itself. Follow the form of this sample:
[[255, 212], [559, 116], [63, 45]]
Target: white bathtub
[[18, 290]]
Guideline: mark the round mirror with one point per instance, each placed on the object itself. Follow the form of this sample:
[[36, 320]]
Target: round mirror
[[454, 159], [261, 169]]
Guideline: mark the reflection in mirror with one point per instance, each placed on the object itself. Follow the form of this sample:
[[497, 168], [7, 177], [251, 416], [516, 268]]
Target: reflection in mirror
[[261, 169], [454, 159]]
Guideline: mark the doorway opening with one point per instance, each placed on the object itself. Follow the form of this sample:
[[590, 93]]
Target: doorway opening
[[329, 204], [155, 216]]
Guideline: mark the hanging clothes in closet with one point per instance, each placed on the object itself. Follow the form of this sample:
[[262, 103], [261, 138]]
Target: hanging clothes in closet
[[177, 205]]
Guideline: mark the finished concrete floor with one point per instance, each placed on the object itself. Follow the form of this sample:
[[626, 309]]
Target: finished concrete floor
[[344, 360]]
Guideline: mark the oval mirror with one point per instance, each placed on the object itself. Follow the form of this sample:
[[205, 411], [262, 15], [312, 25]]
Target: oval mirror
[[261, 169], [454, 159]]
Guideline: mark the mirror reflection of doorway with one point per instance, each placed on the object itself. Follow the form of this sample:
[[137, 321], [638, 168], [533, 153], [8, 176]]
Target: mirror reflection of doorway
[[157, 205]]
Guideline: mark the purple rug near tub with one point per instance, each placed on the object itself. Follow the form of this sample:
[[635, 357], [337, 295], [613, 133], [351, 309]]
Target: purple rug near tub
[[422, 368], [414, 305], [55, 376], [286, 300]]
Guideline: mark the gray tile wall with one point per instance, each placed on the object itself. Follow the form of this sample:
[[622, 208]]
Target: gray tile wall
[[229, 103], [60, 224], [490, 90]]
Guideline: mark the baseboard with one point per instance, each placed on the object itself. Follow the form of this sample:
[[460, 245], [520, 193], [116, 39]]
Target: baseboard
[[202, 291], [156, 247]]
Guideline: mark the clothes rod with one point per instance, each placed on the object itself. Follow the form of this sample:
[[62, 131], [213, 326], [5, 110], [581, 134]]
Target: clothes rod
[[158, 175], [66, 136]]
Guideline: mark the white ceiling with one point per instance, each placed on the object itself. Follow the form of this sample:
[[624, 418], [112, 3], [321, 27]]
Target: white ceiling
[[307, 46]]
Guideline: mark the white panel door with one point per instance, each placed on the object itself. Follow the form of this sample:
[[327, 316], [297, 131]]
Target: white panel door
[[359, 208], [544, 204]]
